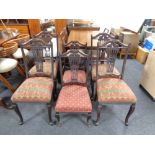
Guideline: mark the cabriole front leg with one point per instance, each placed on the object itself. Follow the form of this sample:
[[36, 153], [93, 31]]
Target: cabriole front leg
[[131, 110]]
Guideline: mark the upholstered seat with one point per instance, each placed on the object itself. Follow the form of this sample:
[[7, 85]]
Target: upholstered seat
[[73, 98], [46, 69], [81, 76], [102, 71], [114, 90], [18, 53], [7, 64], [35, 89]]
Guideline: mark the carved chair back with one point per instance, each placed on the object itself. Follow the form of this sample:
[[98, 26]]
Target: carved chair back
[[40, 51], [78, 60], [49, 38], [107, 54]]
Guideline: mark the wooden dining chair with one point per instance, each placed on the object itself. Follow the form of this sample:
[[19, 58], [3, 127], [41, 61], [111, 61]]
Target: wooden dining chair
[[74, 95], [110, 89], [11, 106], [37, 89]]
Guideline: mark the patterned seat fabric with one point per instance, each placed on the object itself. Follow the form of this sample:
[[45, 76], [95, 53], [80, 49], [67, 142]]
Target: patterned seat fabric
[[35, 89], [102, 71], [73, 98], [114, 90], [46, 69], [80, 73]]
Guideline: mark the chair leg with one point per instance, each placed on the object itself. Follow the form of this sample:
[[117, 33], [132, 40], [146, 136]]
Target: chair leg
[[20, 70], [131, 110], [89, 119], [21, 122], [50, 113], [57, 116], [14, 106], [6, 83], [94, 91], [99, 108]]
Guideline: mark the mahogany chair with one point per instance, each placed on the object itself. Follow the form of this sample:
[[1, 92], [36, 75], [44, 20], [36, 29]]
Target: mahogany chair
[[74, 94], [110, 89], [11, 106], [39, 88]]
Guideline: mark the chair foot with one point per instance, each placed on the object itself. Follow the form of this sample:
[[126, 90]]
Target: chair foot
[[131, 110], [50, 113], [99, 108], [21, 122], [57, 116], [89, 119]]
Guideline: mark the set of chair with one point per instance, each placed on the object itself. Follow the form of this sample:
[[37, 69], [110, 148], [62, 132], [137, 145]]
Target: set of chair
[[86, 76]]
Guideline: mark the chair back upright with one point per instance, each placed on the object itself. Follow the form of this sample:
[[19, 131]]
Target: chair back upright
[[107, 54], [40, 51]]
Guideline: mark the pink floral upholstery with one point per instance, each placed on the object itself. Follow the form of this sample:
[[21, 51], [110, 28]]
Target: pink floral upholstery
[[81, 76], [46, 69], [102, 71], [114, 90], [73, 98], [35, 89]]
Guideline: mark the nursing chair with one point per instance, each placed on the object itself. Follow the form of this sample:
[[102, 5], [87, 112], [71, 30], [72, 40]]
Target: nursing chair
[[39, 88], [74, 95], [110, 89]]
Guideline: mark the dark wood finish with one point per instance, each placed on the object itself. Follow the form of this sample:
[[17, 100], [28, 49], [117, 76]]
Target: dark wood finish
[[40, 50], [131, 110]]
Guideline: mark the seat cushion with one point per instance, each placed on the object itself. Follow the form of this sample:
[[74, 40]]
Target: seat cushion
[[35, 89], [81, 76], [73, 98], [46, 69], [102, 71], [7, 64], [18, 53], [114, 90]]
